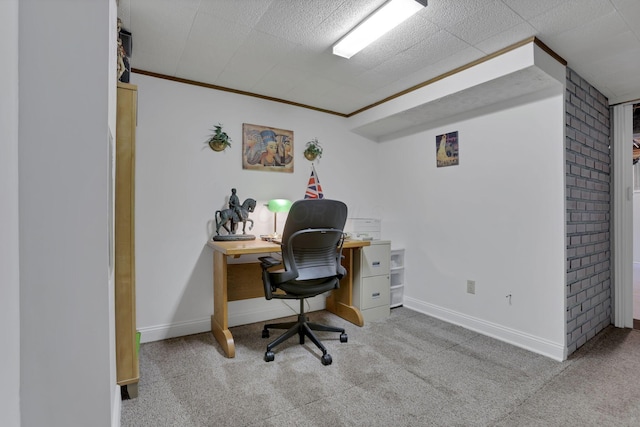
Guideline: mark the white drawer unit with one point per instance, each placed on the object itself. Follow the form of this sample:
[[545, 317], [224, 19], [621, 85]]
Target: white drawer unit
[[397, 277], [375, 292], [371, 293]]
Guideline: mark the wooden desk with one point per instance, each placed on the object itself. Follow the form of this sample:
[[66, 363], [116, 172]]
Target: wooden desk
[[232, 282]]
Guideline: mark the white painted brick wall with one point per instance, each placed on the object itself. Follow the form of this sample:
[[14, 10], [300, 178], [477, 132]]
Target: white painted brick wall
[[588, 181]]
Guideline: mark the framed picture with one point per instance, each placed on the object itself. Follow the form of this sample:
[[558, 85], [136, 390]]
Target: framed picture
[[447, 149], [124, 56], [267, 149]]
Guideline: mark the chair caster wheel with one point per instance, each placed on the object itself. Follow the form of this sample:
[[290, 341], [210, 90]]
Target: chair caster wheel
[[265, 333], [344, 338], [269, 356], [326, 359]]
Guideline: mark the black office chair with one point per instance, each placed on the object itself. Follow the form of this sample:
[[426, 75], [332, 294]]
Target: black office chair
[[311, 253]]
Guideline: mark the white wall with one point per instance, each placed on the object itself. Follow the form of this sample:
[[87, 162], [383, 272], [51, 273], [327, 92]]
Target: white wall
[[496, 218], [116, 399], [66, 310], [9, 242], [181, 182]]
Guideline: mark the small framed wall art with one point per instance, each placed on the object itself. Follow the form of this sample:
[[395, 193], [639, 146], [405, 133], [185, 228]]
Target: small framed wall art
[[266, 148], [447, 149]]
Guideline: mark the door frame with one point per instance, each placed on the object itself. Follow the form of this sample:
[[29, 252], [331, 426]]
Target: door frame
[[622, 218]]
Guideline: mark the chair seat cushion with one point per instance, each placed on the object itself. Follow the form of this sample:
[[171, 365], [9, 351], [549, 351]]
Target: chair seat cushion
[[309, 288]]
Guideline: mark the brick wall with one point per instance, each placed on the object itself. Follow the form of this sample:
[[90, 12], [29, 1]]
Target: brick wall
[[588, 184]]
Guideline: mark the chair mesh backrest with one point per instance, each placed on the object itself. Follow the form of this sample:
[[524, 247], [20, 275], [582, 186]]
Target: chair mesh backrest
[[312, 233]]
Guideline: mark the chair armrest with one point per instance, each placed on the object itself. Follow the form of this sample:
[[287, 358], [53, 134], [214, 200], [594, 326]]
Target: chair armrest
[[268, 262]]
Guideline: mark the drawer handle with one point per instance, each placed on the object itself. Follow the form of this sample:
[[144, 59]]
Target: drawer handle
[[376, 263], [375, 295]]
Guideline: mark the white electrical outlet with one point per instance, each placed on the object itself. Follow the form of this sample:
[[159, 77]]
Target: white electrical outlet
[[471, 286]]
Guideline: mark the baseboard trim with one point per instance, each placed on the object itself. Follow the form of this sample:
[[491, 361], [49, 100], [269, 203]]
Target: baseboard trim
[[173, 330], [636, 323], [240, 313], [520, 339]]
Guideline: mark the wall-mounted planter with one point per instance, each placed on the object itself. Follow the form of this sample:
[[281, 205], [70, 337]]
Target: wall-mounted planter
[[312, 150], [219, 140], [217, 145], [310, 156]]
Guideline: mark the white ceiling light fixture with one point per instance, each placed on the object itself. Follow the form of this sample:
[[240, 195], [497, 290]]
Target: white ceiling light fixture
[[384, 19]]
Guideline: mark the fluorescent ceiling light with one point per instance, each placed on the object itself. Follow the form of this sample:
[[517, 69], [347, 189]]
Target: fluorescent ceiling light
[[389, 16]]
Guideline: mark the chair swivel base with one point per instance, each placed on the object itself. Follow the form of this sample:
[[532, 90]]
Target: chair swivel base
[[303, 328]]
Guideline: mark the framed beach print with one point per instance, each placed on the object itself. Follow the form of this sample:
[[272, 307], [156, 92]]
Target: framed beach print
[[267, 149]]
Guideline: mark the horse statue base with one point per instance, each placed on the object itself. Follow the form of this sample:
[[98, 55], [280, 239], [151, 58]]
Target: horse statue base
[[233, 237]]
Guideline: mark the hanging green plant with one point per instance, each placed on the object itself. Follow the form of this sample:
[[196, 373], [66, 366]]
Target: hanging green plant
[[219, 140], [312, 150]]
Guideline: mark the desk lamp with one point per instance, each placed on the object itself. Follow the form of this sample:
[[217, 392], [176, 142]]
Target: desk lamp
[[275, 206]]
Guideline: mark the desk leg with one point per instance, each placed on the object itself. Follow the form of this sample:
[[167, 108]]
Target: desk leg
[[340, 301], [346, 311], [219, 323]]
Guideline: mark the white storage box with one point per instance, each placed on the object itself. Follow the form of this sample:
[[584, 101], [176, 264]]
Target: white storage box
[[397, 258], [397, 277], [397, 295], [363, 228]]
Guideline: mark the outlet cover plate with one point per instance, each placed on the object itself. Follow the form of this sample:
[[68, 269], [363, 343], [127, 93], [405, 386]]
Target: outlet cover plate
[[471, 287]]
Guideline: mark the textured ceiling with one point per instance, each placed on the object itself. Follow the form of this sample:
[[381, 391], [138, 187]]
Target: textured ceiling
[[282, 48]]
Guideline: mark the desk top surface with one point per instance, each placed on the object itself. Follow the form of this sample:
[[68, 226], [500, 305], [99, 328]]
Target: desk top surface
[[259, 246]]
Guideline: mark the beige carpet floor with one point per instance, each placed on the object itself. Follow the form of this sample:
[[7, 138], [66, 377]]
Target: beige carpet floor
[[407, 370]]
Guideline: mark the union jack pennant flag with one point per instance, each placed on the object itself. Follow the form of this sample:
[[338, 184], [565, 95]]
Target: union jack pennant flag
[[314, 189]]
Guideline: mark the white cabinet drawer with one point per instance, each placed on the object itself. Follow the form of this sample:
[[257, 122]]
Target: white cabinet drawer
[[375, 260], [375, 292]]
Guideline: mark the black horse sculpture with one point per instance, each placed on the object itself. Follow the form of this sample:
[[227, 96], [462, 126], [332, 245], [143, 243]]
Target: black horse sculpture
[[229, 215]]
